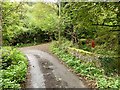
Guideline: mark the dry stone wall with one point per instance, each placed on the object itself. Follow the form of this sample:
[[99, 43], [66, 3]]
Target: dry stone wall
[[109, 62], [85, 56]]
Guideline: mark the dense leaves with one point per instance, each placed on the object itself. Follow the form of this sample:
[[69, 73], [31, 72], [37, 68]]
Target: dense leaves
[[43, 16], [89, 26], [91, 20], [28, 22], [14, 68], [11, 21]]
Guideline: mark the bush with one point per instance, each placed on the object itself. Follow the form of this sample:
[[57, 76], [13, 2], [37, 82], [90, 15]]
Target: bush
[[19, 28], [110, 64], [14, 68], [36, 35]]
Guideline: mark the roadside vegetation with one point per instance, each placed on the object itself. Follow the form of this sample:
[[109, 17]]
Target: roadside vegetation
[[14, 68], [95, 76], [90, 28], [23, 23], [22, 26]]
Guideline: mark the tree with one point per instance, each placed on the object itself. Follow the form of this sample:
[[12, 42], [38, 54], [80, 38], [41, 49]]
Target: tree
[[43, 16], [12, 20], [92, 20]]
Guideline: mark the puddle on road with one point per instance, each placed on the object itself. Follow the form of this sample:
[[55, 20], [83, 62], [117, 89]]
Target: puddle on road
[[50, 79]]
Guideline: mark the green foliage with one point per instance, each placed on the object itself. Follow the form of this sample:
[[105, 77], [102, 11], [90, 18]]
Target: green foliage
[[14, 68], [43, 16], [110, 64], [91, 20], [33, 36], [8, 84], [88, 70], [23, 23], [11, 56], [12, 23]]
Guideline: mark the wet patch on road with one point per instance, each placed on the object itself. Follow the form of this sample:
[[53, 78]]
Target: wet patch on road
[[50, 79], [46, 71]]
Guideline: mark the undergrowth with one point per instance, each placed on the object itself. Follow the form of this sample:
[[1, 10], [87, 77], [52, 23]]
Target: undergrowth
[[14, 68], [88, 70]]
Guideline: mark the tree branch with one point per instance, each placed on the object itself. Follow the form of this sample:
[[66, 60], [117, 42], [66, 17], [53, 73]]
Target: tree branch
[[106, 25]]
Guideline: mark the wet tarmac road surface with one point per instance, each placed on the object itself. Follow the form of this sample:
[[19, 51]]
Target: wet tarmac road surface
[[46, 71]]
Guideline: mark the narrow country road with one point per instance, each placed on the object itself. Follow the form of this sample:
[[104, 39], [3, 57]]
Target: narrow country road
[[46, 71]]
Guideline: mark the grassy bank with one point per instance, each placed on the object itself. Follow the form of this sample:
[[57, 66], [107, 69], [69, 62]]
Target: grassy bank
[[95, 76]]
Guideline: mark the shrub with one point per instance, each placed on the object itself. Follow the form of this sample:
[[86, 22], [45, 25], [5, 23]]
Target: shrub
[[14, 67]]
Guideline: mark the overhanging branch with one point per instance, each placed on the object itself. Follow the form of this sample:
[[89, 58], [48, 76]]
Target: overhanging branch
[[106, 25]]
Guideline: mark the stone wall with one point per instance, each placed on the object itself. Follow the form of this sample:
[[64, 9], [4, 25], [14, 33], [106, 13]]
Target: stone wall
[[107, 62], [85, 56]]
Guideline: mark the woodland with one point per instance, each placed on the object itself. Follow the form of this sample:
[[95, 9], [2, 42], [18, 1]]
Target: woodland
[[91, 29]]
